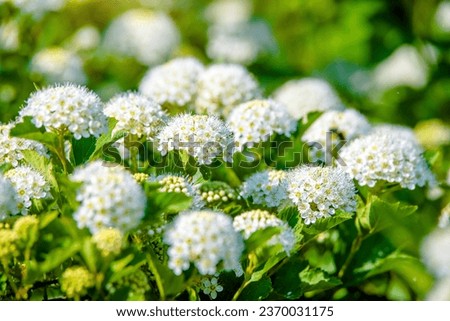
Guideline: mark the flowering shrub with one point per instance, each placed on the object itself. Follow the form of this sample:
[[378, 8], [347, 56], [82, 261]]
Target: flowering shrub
[[164, 159]]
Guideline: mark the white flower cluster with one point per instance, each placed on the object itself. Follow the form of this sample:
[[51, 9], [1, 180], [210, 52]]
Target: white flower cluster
[[173, 183], [8, 198], [173, 84], [229, 12], [11, 148], [348, 123], [57, 64], [9, 35], [109, 197], [206, 239], [38, 8], [150, 37], [28, 184], [249, 222], [241, 43], [137, 114], [319, 192], [255, 121], [221, 87], [268, 188], [67, 107], [86, 38], [404, 67], [307, 95], [442, 16], [202, 137], [386, 156], [403, 133], [436, 252]]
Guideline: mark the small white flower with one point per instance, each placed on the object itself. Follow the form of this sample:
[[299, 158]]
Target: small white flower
[[249, 222], [109, 197], [307, 95], [203, 137], [257, 120], [8, 198], [11, 148], [149, 37], [210, 286], [29, 184], [67, 107], [57, 64], [436, 252], [173, 84], [393, 156], [136, 114], [206, 239], [319, 192], [404, 67], [268, 188], [229, 12], [221, 87]]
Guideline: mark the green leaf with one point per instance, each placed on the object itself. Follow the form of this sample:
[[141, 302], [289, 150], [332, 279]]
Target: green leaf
[[259, 238], [41, 164], [267, 266], [287, 282], [166, 203], [324, 224], [105, 141], [28, 130], [314, 279], [82, 149], [35, 270], [258, 290], [379, 214]]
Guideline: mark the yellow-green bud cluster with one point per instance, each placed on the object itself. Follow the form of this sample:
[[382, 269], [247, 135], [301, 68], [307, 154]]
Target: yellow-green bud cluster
[[108, 241], [215, 193], [75, 281], [8, 247], [137, 283], [27, 229], [140, 177]]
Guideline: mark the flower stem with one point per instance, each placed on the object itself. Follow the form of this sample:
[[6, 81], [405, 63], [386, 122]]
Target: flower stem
[[356, 244]]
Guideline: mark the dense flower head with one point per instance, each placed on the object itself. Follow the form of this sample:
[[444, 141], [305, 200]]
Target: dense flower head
[[29, 184], [436, 252], [109, 197], [432, 133], [215, 193], [8, 198], [318, 192], [386, 156], [202, 137], [173, 183], [85, 38], [221, 87], [249, 222], [57, 64], [173, 84], [108, 241], [399, 131], [149, 37], [229, 12], [206, 239], [242, 43], [11, 148], [255, 121], [442, 17], [404, 67], [75, 282], [136, 114], [307, 95], [348, 124], [266, 188], [67, 107], [38, 8]]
